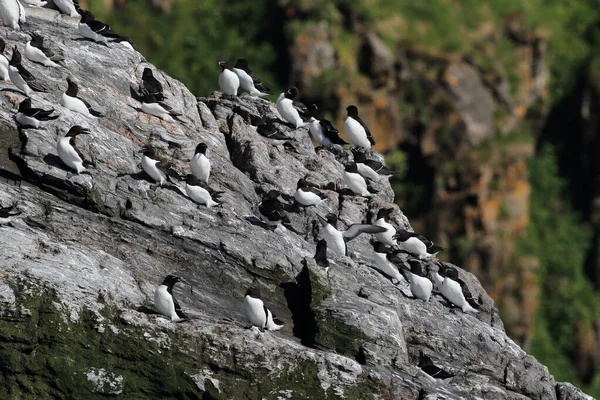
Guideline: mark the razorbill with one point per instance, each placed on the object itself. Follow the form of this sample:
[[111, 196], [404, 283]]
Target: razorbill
[[158, 109], [22, 78], [257, 312], [94, 30], [149, 84], [292, 111], [370, 168], [355, 182], [420, 285], [71, 101], [249, 82], [271, 210], [322, 131], [199, 194], [269, 132], [3, 62], [67, 7], [386, 237], [157, 168], [37, 52], [358, 132], [229, 82], [321, 254], [456, 291], [306, 195], [431, 369], [439, 275], [11, 13], [29, 117], [67, 149], [336, 239], [165, 301], [200, 164], [383, 264], [416, 244]]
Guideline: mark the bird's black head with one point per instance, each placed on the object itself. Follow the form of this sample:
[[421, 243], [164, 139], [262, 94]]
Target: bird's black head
[[253, 292], [321, 246], [352, 111], [241, 64], [314, 110], [301, 183], [37, 40], [77, 130], [225, 65], [72, 88], [351, 167], [149, 151], [384, 213], [451, 273], [147, 73], [416, 267], [442, 269], [331, 219], [25, 105], [291, 93], [380, 247], [272, 194], [359, 155], [170, 280], [149, 98], [201, 148], [402, 235], [2, 45], [191, 180], [424, 359], [16, 57]]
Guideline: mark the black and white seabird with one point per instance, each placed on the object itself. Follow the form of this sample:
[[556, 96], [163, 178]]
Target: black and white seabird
[[22, 78], [321, 254], [229, 82], [386, 237], [420, 285], [3, 62], [269, 132], [431, 369], [358, 132], [439, 275], [67, 149], [456, 291], [200, 164], [249, 82], [322, 131], [37, 52], [383, 264], [29, 117], [355, 182], [416, 244], [12, 13], [95, 30], [336, 239], [165, 302], [292, 111], [271, 210], [67, 7], [159, 109], [158, 169], [199, 194], [370, 168], [257, 312], [306, 195], [149, 84], [71, 101]]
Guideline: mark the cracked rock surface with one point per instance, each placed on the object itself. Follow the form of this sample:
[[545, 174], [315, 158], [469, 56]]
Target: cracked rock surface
[[87, 251]]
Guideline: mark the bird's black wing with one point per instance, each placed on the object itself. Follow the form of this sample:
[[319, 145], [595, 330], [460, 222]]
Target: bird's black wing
[[356, 229], [74, 145], [467, 293], [154, 87], [11, 211], [90, 108], [428, 243], [331, 132], [102, 29], [368, 132], [166, 167], [271, 132], [436, 372], [178, 310], [302, 109], [378, 167]]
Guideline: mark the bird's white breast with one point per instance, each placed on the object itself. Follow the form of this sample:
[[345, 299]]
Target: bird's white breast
[[229, 82], [68, 155], [200, 166], [286, 109], [414, 246], [453, 292], [246, 81], [367, 171], [356, 133], [4, 68], [335, 240], [255, 312], [387, 236], [19, 82], [24, 120], [420, 287], [35, 54], [316, 130], [386, 267], [164, 303], [356, 183], [149, 166], [157, 110], [87, 32], [10, 13], [67, 7], [199, 195], [306, 198], [74, 104]]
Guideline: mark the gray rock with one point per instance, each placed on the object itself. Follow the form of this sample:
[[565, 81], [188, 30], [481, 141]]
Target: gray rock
[[87, 251]]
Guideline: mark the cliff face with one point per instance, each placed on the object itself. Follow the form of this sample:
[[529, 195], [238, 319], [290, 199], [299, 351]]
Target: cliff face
[[86, 251]]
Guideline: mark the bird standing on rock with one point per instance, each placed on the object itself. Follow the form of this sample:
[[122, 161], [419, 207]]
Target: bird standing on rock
[[200, 164], [355, 182], [322, 131], [158, 169], [337, 240], [67, 149], [249, 82], [3, 62], [12, 13], [71, 101], [357, 130], [416, 244], [456, 291], [29, 117], [22, 78], [229, 82], [165, 301], [257, 312], [37, 52], [290, 110], [370, 168], [306, 195]]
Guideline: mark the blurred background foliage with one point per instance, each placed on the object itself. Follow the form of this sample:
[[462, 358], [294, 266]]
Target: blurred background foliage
[[486, 110]]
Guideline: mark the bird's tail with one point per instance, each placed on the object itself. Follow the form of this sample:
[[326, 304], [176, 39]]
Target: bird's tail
[[95, 113], [435, 249]]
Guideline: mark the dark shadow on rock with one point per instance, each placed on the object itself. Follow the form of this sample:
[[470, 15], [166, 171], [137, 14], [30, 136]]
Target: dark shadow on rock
[[138, 176], [54, 161], [298, 296]]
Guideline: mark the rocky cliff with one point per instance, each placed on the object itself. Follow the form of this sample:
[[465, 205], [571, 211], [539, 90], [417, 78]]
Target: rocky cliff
[[83, 256]]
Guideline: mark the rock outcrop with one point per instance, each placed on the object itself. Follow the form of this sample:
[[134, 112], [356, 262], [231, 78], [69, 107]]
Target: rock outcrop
[[85, 253]]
